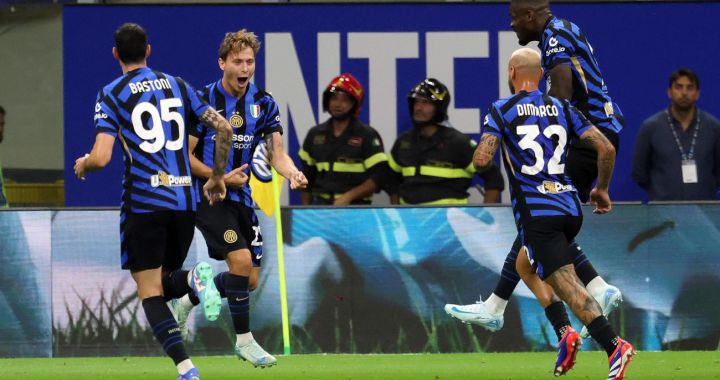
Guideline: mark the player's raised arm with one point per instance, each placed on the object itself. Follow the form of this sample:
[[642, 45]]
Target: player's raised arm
[[485, 151], [561, 82], [605, 163], [214, 188]]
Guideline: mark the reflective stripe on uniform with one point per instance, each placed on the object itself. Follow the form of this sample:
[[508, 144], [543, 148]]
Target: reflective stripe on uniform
[[446, 201], [305, 156], [374, 160], [393, 165], [435, 171], [323, 166], [344, 167], [335, 196]]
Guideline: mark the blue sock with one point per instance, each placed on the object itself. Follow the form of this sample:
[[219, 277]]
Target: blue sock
[[219, 281], [238, 297], [175, 284], [583, 267], [165, 328]]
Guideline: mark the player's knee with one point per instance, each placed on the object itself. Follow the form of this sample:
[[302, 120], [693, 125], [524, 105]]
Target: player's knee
[[252, 284], [239, 262]]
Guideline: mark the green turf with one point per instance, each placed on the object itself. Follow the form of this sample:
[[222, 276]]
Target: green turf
[[525, 366]]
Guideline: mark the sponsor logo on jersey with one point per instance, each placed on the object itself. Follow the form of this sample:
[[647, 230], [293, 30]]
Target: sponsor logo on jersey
[[552, 41], [236, 120], [98, 114], [255, 111], [549, 187], [164, 179]]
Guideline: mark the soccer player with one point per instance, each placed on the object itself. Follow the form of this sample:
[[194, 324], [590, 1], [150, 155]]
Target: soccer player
[[572, 73], [148, 111], [231, 227], [535, 130]]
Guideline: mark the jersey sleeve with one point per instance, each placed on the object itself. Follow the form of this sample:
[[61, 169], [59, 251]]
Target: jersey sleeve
[[196, 104], [577, 122], [271, 120], [197, 128], [106, 115], [493, 123], [557, 49]]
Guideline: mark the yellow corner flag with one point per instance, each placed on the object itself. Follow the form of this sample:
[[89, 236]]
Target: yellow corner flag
[[261, 181]]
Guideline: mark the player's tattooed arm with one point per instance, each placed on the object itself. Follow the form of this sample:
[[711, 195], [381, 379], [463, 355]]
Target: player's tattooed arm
[[485, 151], [606, 155], [216, 121]]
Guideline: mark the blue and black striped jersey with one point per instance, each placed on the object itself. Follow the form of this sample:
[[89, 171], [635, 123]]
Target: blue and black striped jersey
[[535, 129], [252, 117], [562, 43], [148, 111]]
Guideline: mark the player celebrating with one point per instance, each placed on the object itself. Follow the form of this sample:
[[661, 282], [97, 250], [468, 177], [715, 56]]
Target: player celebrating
[[231, 227], [148, 110], [535, 129], [572, 73]]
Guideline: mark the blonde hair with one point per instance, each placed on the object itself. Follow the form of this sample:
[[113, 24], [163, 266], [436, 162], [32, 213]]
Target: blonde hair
[[236, 41]]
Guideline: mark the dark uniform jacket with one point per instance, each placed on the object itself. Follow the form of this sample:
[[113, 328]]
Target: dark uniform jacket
[[437, 170], [334, 165]]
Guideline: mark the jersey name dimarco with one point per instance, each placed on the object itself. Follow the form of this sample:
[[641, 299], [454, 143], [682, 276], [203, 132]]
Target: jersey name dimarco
[[533, 110], [150, 85], [164, 179]]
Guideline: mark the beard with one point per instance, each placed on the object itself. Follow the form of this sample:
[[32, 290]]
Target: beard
[[341, 116]]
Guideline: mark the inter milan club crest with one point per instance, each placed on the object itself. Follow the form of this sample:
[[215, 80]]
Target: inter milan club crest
[[236, 120], [255, 111]]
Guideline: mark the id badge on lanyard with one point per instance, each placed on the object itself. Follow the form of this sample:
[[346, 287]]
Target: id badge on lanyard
[[689, 171]]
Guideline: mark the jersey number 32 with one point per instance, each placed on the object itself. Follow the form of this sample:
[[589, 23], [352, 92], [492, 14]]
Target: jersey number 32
[[530, 133]]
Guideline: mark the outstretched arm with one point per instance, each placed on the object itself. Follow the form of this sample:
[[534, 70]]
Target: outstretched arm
[[485, 151], [279, 159]]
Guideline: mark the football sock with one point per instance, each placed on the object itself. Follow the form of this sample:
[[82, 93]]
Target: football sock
[[509, 276], [495, 304], [558, 317], [603, 333], [583, 267], [184, 366], [596, 286], [175, 284], [165, 328], [238, 297], [243, 339], [219, 280]]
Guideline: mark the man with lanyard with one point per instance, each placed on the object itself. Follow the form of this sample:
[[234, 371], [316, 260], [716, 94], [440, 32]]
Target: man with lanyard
[[677, 150]]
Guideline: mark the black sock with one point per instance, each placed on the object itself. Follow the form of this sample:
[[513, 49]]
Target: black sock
[[219, 281], [238, 297], [509, 276], [603, 333], [165, 328], [583, 267], [175, 284], [558, 317]]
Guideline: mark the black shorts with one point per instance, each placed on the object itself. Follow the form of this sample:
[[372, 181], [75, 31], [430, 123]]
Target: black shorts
[[547, 240], [230, 226], [155, 239], [581, 164]]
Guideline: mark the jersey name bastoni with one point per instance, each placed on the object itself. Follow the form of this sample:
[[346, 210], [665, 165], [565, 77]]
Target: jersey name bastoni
[[150, 85]]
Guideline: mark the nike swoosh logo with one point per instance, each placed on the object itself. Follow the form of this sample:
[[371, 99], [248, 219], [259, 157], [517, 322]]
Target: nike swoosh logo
[[241, 299]]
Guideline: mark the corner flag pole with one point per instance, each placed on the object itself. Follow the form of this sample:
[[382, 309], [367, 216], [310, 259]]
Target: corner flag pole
[[281, 263]]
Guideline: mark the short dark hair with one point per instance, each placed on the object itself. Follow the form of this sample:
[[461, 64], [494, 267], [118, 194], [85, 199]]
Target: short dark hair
[[684, 73], [131, 42], [2, 111]]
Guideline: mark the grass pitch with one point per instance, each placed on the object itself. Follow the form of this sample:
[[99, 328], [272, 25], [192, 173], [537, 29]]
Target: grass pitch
[[505, 366]]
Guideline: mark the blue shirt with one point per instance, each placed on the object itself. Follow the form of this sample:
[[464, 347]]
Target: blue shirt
[[534, 130], [149, 111], [657, 161], [252, 117]]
